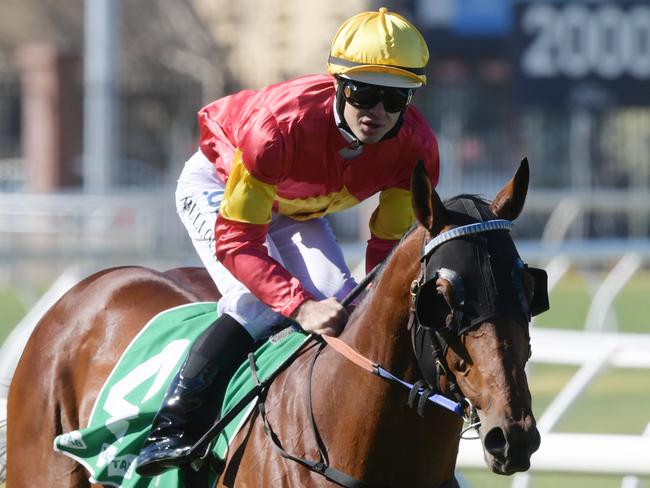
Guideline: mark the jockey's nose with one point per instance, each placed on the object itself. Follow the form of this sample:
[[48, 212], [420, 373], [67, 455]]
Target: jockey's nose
[[378, 109]]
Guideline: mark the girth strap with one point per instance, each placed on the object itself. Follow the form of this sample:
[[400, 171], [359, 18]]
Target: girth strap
[[322, 466]]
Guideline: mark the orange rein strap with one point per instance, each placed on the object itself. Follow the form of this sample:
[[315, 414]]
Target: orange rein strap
[[351, 354], [363, 362], [366, 364]]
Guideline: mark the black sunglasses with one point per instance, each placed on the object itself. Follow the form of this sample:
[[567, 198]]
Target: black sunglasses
[[365, 96]]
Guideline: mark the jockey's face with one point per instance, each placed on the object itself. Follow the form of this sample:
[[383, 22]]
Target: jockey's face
[[369, 124], [365, 109]]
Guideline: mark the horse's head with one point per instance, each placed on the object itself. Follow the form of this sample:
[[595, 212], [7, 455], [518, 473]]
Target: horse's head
[[473, 303]]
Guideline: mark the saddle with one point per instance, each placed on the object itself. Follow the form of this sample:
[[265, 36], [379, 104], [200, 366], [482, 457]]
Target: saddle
[[128, 401]]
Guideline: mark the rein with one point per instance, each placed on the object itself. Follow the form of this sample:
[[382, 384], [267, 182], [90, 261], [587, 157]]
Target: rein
[[366, 364], [322, 466], [461, 407]]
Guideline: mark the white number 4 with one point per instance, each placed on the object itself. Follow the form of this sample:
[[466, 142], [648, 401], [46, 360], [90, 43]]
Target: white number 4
[[160, 366]]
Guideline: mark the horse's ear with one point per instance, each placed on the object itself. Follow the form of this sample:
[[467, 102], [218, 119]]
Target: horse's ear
[[428, 208], [509, 202]]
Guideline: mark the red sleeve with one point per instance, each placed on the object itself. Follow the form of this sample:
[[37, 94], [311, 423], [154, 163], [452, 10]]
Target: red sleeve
[[216, 125], [240, 248], [377, 250], [423, 146]]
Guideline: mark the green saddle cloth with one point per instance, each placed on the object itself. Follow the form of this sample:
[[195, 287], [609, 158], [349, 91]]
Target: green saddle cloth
[[128, 401]]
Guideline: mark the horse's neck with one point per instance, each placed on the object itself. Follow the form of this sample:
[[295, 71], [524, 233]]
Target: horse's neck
[[367, 415], [378, 329]]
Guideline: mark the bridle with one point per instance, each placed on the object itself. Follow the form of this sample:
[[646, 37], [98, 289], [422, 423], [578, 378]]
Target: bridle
[[430, 341], [437, 337], [480, 291]]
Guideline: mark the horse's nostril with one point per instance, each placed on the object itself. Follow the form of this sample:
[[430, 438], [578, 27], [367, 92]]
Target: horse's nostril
[[495, 443], [534, 445]]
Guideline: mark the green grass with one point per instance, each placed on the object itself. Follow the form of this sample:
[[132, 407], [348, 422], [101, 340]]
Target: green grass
[[11, 309], [615, 403], [633, 305], [570, 302]]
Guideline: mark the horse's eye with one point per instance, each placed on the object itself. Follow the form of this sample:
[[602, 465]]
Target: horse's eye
[[460, 365]]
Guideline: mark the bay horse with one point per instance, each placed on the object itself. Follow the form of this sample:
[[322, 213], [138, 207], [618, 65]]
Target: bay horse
[[369, 431]]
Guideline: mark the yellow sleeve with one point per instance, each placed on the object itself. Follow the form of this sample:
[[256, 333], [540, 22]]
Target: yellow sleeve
[[393, 216], [246, 199]]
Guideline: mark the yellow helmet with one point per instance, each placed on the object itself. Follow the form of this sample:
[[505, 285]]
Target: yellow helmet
[[381, 48]]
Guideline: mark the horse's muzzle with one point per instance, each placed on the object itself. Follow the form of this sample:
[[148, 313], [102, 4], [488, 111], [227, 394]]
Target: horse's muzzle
[[508, 447]]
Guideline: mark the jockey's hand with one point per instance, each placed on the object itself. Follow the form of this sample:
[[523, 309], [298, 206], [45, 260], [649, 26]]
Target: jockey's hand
[[321, 317]]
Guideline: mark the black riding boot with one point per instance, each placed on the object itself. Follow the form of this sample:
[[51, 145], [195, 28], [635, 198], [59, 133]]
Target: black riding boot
[[190, 406]]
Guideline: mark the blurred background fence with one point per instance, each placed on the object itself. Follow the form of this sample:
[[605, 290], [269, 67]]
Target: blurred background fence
[[563, 83]]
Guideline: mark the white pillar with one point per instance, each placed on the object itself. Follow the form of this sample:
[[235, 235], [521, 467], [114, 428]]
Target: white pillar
[[100, 94]]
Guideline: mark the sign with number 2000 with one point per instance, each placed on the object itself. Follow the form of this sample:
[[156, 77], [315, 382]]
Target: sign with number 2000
[[578, 40], [574, 41]]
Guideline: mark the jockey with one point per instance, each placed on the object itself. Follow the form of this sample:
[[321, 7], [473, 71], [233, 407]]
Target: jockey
[[271, 164]]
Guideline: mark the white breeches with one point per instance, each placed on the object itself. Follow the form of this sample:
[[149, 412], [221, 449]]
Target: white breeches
[[307, 249]]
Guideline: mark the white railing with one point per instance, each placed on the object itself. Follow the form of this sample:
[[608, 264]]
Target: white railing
[[38, 227]]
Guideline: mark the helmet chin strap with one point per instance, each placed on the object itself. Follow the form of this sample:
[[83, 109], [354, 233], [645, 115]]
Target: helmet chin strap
[[341, 123], [339, 107]]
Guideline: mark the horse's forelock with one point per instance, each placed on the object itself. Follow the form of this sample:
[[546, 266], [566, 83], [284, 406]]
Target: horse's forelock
[[478, 200], [455, 208]]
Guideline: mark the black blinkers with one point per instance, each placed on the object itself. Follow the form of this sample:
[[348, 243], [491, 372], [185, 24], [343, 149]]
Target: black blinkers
[[485, 283], [487, 278]]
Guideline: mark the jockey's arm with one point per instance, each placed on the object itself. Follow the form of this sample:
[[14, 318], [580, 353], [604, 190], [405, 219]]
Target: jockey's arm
[[240, 233], [392, 217], [240, 248]]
